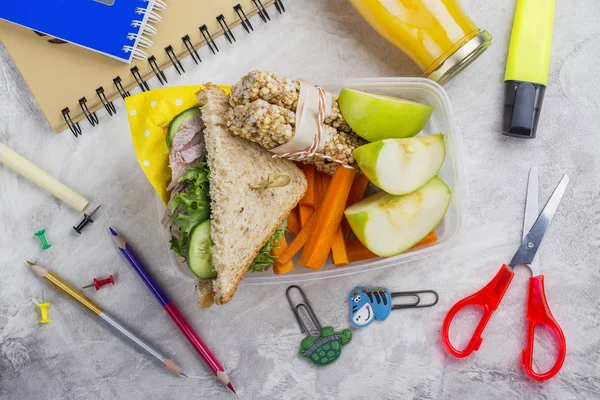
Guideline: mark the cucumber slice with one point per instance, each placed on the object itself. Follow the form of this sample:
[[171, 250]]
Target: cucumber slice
[[179, 120], [199, 254]]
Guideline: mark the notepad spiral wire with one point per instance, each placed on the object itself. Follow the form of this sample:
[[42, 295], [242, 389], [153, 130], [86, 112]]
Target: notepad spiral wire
[[143, 42], [141, 38]]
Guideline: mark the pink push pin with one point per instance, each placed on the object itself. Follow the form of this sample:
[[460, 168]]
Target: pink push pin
[[98, 283]]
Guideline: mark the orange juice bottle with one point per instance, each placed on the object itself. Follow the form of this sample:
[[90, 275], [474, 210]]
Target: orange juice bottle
[[436, 34]]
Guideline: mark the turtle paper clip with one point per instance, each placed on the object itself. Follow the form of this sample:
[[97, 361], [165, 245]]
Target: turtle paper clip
[[368, 304], [325, 346]]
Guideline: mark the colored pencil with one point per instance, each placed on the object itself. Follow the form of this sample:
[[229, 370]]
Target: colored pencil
[[171, 309], [103, 316]]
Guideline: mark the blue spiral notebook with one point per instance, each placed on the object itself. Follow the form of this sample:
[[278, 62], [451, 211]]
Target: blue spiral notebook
[[116, 28]]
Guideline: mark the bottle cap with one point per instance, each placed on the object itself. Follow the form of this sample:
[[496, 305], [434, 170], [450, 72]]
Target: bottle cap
[[522, 108], [461, 58]]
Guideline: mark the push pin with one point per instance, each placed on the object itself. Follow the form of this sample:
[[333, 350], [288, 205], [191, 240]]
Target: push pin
[[86, 220], [98, 283], [41, 235], [44, 310]]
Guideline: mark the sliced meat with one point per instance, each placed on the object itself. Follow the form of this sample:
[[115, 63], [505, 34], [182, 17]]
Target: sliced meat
[[187, 148], [178, 167], [166, 220], [187, 132], [194, 153]]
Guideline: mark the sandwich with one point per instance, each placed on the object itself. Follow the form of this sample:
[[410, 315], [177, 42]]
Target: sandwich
[[229, 198]]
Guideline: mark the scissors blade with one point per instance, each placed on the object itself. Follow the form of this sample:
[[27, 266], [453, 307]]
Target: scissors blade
[[530, 245], [531, 213]]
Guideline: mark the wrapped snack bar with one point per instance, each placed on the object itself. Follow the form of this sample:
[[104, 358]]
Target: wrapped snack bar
[[275, 112]]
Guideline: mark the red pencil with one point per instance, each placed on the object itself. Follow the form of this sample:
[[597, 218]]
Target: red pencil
[[171, 309]]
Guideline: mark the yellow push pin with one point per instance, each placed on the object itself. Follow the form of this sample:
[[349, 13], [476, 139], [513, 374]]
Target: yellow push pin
[[44, 310]]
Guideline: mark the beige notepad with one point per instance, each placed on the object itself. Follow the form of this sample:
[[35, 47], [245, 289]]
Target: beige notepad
[[59, 75]]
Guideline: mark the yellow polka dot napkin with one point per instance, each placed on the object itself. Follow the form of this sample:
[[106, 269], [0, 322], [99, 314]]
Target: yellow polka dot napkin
[[149, 115]]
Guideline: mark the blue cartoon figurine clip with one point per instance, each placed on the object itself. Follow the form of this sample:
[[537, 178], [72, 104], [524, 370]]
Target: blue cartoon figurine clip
[[367, 304]]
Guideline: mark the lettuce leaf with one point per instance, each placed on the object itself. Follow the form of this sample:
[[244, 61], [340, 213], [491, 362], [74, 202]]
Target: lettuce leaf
[[265, 259], [190, 207]]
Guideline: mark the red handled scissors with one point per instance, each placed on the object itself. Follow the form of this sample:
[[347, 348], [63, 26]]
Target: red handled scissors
[[538, 312]]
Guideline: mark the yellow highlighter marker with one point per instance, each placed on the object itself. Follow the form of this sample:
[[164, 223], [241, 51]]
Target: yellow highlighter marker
[[527, 67]]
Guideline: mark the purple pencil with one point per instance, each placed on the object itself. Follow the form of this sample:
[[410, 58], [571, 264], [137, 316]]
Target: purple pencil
[[171, 309]]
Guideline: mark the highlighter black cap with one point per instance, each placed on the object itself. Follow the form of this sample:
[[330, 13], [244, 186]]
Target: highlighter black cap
[[522, 108]]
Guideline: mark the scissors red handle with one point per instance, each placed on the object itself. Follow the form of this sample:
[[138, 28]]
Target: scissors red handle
[[538, 313], [487, 298]]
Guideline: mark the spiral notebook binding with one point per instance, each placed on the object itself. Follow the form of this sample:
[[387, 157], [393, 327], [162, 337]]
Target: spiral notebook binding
[[226, 31], [262, 11], [91, 116], [108, 105], [124, 93], [187, 42], [243, 18], [73, 126], [209, 39], [157, 71], [279, 6], [141, 39], [174, 58], [135, 71]]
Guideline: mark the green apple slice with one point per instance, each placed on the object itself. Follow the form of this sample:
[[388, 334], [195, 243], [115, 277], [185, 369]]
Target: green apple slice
[[376, 117], [389, 225], [400, 166]]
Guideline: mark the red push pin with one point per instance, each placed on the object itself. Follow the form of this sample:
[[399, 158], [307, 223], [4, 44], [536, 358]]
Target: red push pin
[[98, 283]]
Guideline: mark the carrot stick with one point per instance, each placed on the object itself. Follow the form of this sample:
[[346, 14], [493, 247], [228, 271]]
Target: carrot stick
[[278, 267], [293, 221], [358, 252], [319, 190], [298, 242], [430, 238], [330, 214], [357, 192], [325, 182], [305, 213], [309, 196], [358, 189], [338, 249]]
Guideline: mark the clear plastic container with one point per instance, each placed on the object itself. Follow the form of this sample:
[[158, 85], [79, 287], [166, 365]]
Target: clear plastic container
[[452, 172]]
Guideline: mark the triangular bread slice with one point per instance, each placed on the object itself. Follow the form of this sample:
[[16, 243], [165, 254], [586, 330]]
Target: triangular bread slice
[[242, 218]]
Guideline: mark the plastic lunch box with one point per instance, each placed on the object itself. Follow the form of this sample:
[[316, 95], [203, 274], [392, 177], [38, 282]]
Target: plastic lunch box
[[452, 172]]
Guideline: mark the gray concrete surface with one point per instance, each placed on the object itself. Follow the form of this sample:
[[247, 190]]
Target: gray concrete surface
[[255, 336]]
